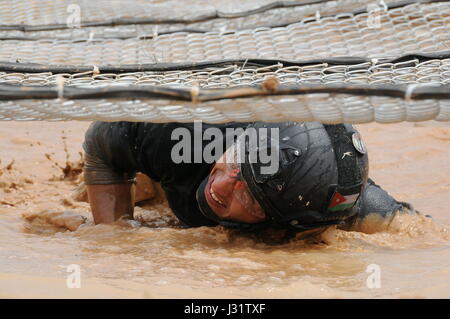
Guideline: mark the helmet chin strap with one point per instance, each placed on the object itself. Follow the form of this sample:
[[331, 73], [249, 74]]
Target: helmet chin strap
[[206, 210], [203, 204]]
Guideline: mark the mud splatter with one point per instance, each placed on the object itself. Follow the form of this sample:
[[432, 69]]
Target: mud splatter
[[50, 222], [72, 171]]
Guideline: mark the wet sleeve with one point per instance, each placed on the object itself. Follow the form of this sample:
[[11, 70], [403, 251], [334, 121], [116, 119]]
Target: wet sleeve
[[376, 209], [109, 157]]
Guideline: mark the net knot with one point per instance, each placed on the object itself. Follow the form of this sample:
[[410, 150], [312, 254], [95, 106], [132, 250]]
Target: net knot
[[195, 91], [60, 86], [95, 70], [409, 91]]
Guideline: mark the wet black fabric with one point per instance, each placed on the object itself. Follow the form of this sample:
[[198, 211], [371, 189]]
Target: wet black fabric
[[130, 147]]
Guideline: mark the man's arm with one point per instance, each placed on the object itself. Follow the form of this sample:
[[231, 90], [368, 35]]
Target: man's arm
[[109, 187], [110, 194], [110, 202], [376, 210]]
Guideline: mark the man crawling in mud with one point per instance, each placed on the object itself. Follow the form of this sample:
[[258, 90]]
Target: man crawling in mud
[[300, 177]]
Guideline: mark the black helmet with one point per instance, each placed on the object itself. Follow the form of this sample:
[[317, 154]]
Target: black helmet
[[322, 170], [319, 174]]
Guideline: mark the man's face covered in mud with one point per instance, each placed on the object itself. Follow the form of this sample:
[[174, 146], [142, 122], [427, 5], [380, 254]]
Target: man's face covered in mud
[[228, 195]]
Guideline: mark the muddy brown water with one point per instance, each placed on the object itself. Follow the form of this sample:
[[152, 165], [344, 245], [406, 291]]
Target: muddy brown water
[[42, 232]]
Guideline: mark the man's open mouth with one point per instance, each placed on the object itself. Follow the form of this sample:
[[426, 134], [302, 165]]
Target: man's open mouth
[[212, 196]]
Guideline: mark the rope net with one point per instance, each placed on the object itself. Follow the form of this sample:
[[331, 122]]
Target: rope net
[[331, 61]]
